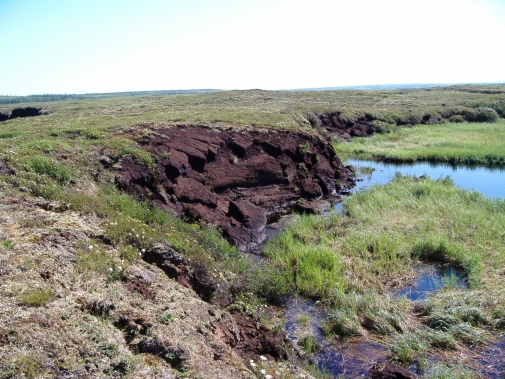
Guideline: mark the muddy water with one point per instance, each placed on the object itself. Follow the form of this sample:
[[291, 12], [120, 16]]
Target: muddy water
[[354, 358], [492, 359]]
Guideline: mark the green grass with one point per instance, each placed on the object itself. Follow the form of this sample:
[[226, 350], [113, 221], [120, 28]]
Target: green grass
[[309, 344], [450, 371], [54, 169], [465, 143], [303, 319], [35, 297], [165, 318], [27, 365], [386, 228], [353, 263], [7, 244]]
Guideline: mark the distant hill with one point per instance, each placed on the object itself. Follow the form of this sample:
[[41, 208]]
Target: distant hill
[[391, 86], [377, 86]]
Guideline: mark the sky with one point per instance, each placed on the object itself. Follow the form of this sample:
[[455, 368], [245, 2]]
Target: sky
[[90, 46]]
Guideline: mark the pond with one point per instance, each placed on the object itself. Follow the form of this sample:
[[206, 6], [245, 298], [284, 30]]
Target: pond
[[430, 278], [490, 182], [352, 358]]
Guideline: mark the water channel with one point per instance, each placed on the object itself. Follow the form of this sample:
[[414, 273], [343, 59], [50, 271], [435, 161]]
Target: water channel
[[353, 358]]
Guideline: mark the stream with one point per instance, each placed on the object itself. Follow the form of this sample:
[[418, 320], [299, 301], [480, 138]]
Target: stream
[[354, 358]]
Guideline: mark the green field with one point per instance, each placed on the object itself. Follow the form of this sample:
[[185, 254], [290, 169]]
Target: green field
[[275, 109], [462, 143]]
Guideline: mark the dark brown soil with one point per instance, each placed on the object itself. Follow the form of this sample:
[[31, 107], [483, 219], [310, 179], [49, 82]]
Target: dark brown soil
[[22, 112], [345, 128], [6, 169], [389, 370], [234, 180]]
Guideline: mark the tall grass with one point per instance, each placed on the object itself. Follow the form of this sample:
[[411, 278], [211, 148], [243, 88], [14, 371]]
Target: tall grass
[[451, 143], [353, 264]]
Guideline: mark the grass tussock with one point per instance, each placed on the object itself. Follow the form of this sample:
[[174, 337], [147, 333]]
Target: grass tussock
[[35, 297]]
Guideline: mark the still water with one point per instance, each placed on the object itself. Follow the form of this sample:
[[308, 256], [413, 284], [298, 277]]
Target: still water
[[490, 182]]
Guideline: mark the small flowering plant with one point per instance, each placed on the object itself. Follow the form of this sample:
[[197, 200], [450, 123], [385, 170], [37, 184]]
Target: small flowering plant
[[114, 272], [261, 368]]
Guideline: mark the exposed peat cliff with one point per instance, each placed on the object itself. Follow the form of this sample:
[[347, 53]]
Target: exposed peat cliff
[[234, 180]]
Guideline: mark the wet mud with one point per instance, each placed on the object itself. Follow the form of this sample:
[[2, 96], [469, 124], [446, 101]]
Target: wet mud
[[351, 358]]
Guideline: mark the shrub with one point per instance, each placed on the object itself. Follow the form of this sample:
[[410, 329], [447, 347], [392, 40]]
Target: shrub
[[383, 127], [456, 119], [481, 115], [164, 318], [28, 365]]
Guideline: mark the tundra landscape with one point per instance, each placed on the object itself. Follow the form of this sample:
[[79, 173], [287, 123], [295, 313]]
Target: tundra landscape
[[223, 235]]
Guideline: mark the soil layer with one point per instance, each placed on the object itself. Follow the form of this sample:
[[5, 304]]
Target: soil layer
[[232, 179]]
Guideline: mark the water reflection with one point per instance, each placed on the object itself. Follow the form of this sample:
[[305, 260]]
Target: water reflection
[[492, 359], [430, 278], [487, 181]]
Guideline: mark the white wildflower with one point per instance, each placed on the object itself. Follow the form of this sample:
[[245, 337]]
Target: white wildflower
[[90, 247], [263, 358], [264, 372], [110, 269]]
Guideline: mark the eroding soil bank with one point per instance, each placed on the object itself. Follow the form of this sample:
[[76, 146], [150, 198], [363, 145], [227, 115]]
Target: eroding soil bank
[[234, 180], [22, 112], [345, 128]]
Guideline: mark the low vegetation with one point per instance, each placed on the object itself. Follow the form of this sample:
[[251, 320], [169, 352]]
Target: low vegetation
[[464, 143], [354, 262], [35, 297], [54, 181]]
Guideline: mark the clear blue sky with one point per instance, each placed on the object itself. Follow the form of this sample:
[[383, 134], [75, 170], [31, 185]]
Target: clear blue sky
[[82, 46]]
